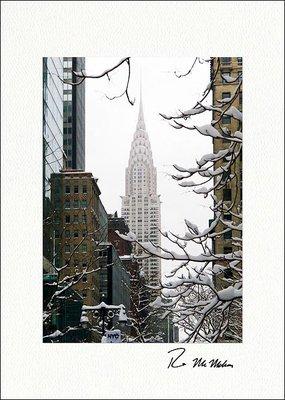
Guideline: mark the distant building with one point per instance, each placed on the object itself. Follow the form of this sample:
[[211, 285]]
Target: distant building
[[77, 230], [141, 203], [114, 278], [116, 223], [53, 154], [74, 114], [124, 250]]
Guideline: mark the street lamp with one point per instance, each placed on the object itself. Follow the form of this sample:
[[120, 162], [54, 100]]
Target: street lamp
[[84, 320], [106, 312]]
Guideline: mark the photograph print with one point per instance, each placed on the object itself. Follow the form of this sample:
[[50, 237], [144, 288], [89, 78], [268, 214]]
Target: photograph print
[[142, 200]]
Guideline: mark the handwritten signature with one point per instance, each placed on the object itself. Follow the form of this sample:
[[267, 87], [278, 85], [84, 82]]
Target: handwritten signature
[[178, 355]]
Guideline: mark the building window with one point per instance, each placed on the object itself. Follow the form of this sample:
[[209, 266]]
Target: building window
[[226, 119], [84, 233], [67, 63], [67, 219], [56, 234], [226, 74], [67, 189], [67, 233], [57, 203], [84, 248], [227, 194], [67, 248], [84, 203], [226, 60], [67, 97], [228, 250], [75, 219], [67, 75], [84, 279], [67, 204], [84, 189], [239, 60], [75, 189], [76, 204], [75, 234], [227, 217], [226, 95], [228, 235], [240, 101], [228, 273], [57, 262]]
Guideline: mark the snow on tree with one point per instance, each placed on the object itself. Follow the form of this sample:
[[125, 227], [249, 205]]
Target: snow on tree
[[204, 291]]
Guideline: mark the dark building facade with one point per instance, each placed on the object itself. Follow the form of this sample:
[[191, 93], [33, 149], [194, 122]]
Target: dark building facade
[[53, 154], [114, 278], [74, 114]]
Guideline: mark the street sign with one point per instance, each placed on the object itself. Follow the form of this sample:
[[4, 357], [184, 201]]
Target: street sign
[[113, 336]]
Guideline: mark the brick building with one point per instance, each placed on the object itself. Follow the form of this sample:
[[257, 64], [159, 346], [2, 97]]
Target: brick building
[[231, 194], [228, 84], [77, 229]]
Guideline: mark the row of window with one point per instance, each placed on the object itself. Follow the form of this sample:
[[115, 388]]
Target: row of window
[[76, 189], [228, 60], [67, 97], [69, 234], [76, 219], [68, 248], [75, 204], [75, 263], [67, 63]]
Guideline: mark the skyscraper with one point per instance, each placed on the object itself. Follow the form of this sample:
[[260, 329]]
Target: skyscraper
[[53, 154], [141, 203], [74, 114]]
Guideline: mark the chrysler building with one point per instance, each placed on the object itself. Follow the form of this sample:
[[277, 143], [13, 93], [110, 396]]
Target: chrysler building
[[141, 204]]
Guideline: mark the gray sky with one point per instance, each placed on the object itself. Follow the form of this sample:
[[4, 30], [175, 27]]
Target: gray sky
[[110, 126]]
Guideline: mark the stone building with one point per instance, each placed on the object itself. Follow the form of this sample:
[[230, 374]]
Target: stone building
[[231, 194], [77, 229], [124, 250], [228, 84]]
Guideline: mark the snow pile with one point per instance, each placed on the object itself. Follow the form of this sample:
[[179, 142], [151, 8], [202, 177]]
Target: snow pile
[[130, 237], [230, 293], [209, 130], [54, 334], [234, 112]]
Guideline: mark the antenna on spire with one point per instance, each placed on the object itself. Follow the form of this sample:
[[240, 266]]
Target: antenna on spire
[[141, 124]]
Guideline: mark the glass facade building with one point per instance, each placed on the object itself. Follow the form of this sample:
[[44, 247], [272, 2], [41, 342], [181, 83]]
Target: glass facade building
[[74, 114], [53, 154]]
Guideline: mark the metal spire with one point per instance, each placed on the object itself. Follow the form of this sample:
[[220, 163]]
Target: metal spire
[[141, 123]]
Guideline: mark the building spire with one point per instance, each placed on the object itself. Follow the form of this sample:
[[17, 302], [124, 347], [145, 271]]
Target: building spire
[[141, 123]]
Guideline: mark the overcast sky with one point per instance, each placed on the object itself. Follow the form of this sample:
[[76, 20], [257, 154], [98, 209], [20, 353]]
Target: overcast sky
[[110, 126]]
